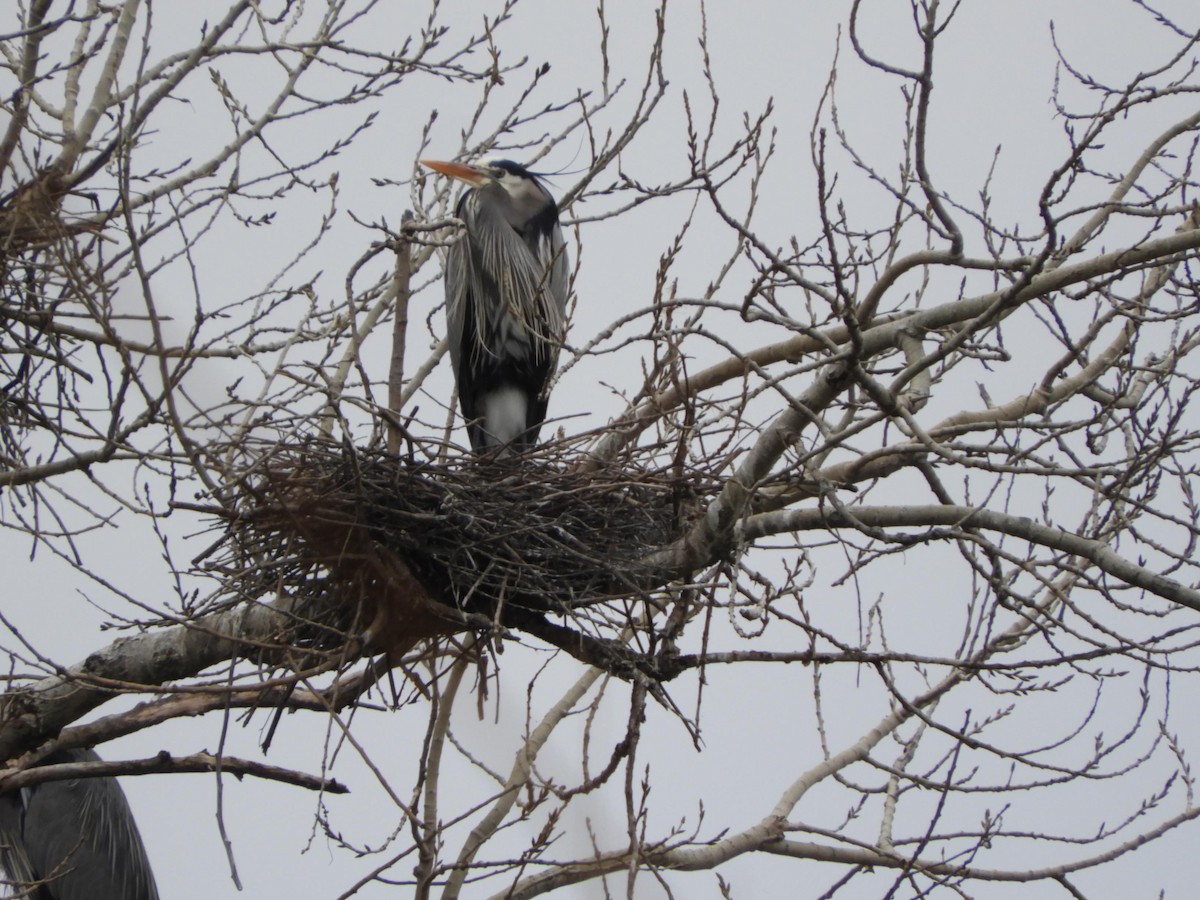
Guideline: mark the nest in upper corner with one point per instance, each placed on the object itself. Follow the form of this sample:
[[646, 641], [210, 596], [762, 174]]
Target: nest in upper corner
[[367, 543]]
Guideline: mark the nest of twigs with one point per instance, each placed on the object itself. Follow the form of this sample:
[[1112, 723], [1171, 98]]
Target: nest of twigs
[[370, 545]]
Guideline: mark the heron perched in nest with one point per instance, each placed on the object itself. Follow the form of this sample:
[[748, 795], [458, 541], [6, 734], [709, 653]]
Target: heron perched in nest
[[506, 292], [73, 840]]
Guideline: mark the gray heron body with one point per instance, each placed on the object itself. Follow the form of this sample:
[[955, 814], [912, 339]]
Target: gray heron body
[[73, 840], [506, 293]]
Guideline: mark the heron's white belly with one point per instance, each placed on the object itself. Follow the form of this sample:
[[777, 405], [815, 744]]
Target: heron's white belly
[[505, 414]]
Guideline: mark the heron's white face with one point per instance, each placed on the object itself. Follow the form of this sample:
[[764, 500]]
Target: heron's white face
[[514, 185]]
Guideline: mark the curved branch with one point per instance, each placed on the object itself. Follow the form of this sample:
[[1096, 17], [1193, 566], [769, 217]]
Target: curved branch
[[1166, 250], [1099, 554], [164, 763], [28, 70], [518, 776], [30, 714]]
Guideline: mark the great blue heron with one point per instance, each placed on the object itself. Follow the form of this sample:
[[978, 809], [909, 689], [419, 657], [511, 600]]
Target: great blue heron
[[506, 291], [73, 840]]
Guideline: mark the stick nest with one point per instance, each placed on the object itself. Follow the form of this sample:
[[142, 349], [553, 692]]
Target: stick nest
[[366, 543]]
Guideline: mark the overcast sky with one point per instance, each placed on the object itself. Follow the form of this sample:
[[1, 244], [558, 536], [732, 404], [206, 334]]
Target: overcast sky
[[995, 74]]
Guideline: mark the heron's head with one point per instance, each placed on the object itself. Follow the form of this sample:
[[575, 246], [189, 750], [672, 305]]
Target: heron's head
[[514, 179]]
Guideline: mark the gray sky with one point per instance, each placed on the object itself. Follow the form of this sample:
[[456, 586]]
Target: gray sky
[[995, 73]]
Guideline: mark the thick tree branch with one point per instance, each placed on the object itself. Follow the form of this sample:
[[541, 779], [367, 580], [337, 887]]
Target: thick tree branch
[[962, 517]]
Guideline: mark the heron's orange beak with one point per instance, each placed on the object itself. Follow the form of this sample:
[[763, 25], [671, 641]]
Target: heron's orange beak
[[471, 175]]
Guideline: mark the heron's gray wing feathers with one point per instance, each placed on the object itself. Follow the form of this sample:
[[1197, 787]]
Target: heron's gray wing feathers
[[553, 259], [528, 276], [17, 868], [82, 839], [457, 262]]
